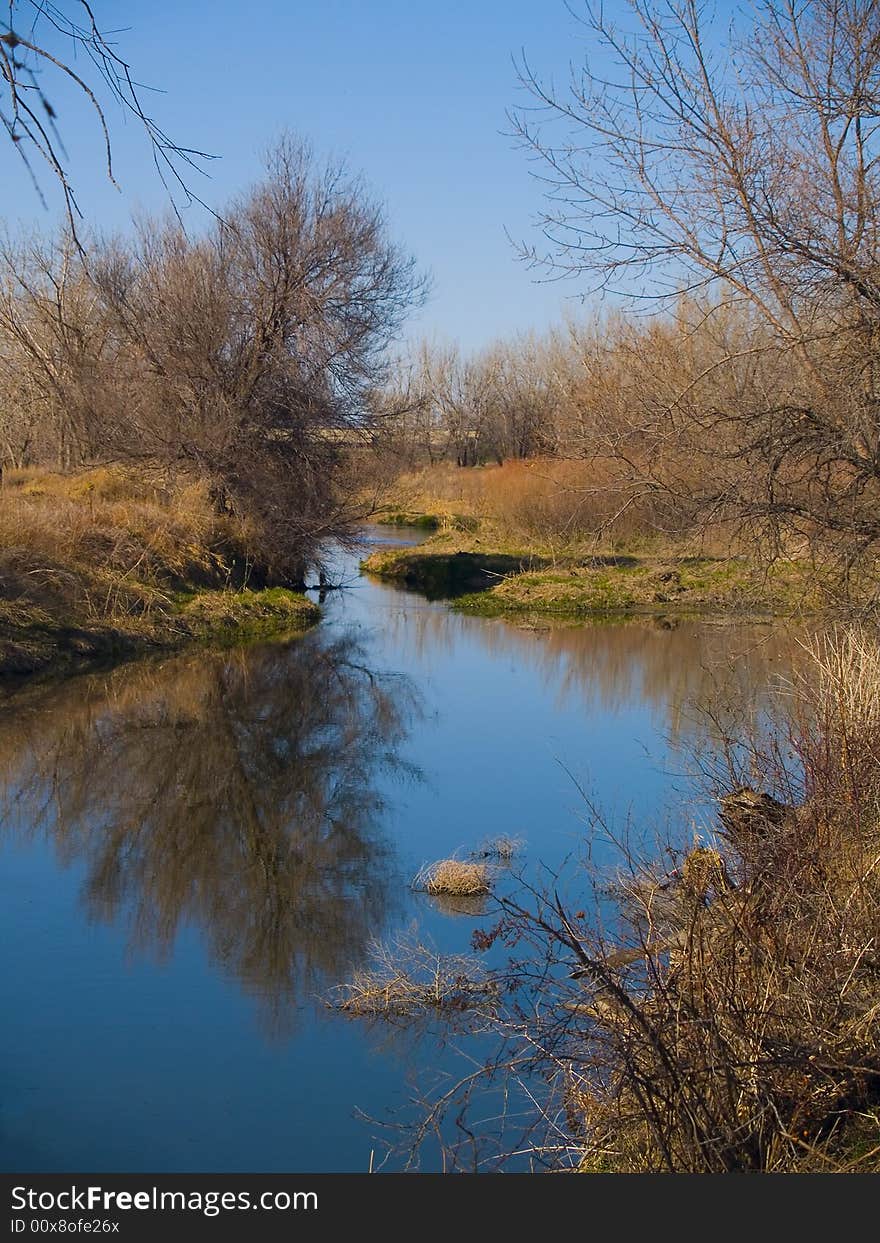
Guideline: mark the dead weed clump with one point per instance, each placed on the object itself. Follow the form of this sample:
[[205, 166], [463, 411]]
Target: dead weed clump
[[459, 878], [503, 848], [407, 979]]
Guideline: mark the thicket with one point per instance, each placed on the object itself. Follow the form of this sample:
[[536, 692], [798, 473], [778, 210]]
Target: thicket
[[244, 359]]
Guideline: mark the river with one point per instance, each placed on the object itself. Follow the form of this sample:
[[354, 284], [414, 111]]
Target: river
[[195, 851]]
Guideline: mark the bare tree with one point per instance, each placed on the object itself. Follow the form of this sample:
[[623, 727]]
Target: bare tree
[[526, 397], [494, 405], [465, 393], [743, 164], [40, 43], [255, 351], [59, 359], [250, 356]]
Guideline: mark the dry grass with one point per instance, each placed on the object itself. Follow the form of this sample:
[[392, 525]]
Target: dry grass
[[846, 677], [546, 501], [502, 848], [406, 979], [107, 542], [457, 878], [742, 1032], [100, 563]]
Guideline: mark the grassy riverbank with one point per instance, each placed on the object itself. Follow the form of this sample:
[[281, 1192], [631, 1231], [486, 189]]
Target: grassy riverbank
[[105, 564], [517, 540], [492, 581]]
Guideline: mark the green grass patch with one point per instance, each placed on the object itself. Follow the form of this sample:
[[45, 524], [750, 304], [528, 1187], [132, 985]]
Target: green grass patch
[[402, 518], [35, 641], [429, 521], [242, 615], [441, 575], [493, 581], [660, 584]]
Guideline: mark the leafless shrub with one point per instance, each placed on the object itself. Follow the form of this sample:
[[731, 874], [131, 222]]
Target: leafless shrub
[[721, 1016]]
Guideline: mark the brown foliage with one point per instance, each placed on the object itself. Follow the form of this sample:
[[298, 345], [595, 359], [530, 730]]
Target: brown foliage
[[751, 179], [110, 542], [248, 356], [726, 1019]]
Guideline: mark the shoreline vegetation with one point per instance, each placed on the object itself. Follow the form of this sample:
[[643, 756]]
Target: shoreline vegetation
[[101, 566], [712, 1007], [190, 417], [582, 584], [486, 557], [177, 412]]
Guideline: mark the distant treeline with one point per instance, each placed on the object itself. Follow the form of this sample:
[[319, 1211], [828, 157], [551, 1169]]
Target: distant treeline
[[701, 417]]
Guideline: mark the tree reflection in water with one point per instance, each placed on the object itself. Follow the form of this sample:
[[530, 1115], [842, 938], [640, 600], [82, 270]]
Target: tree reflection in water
[[233, 791], [676, 666]]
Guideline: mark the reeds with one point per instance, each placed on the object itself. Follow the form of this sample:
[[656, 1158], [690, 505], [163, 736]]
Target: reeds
[[547, 501]]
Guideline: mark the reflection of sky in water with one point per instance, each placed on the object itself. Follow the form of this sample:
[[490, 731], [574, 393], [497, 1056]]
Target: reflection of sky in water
[[149, 1023]]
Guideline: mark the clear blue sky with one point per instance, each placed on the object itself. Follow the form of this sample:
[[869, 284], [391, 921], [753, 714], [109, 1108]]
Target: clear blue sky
[[413, 94]]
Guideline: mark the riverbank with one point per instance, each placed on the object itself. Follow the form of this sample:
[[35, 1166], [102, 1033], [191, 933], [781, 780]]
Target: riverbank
[[754, 1045], [485, 575], [105, 565], [33, 642]]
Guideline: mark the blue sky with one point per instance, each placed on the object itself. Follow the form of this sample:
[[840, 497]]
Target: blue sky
[[413, 95]]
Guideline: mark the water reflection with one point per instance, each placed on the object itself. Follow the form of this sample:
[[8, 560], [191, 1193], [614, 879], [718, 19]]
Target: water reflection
[[235, 791], [677, 666], [235, 801]]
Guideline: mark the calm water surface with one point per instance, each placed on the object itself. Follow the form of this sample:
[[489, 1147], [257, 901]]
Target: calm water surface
[[194, 852]]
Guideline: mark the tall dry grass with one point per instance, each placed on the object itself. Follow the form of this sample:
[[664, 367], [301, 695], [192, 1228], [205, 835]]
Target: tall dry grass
[[547, 501], [108, 542]]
